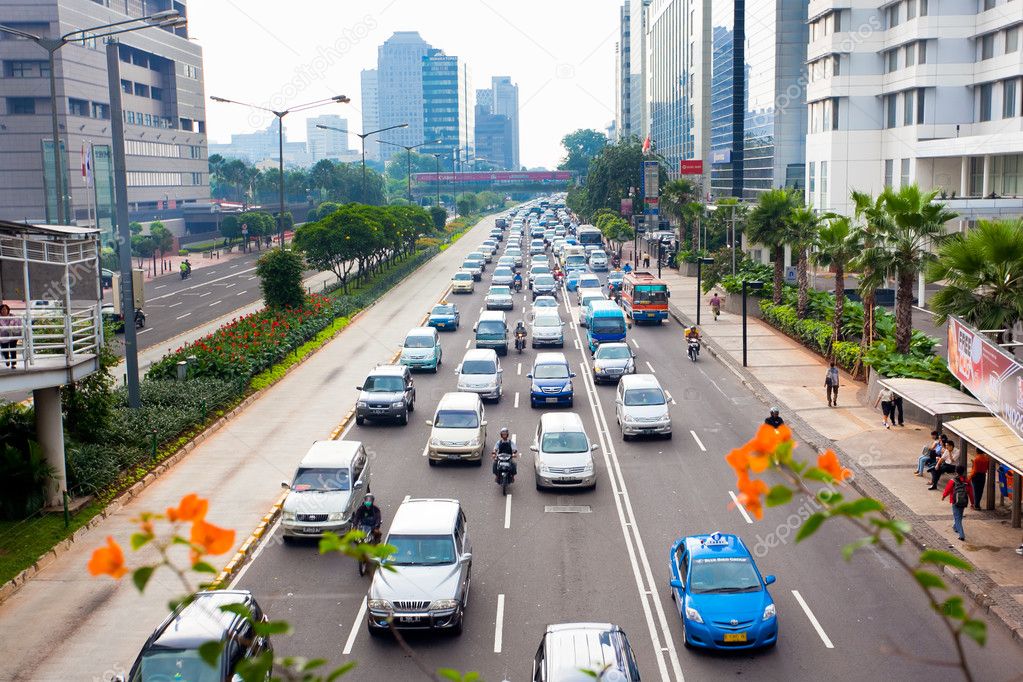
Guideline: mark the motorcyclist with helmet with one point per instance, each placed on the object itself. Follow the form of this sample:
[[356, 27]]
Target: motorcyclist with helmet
[[505, 446], [368, 515]]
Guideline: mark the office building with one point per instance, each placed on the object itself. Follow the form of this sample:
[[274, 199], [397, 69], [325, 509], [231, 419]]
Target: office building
[[494, 135], [370, 103], [623, 66], [400, 86], [930, 94], [326, 144], [506, 103], [164, 113], [639, 114], [727, 97], [262, 146], [447, 113]]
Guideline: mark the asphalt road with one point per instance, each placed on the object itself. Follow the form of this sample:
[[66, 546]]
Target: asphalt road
[[608, 559]]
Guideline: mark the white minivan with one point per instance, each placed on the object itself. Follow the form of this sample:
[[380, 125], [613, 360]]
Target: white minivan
[[327, 488], [480, 372], [641, 407], [563, 453]]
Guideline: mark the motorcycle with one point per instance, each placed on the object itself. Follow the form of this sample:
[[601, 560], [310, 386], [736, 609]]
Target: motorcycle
[[186, 272], [364, 564], [520, 342], [694, 349], [517, 285], [140, 319], [504, 471]]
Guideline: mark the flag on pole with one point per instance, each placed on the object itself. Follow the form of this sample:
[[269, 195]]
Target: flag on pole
[[646, 144], [83, 159], [87, 166]]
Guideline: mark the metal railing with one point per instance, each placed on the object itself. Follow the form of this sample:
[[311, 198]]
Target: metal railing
[[42, 336]]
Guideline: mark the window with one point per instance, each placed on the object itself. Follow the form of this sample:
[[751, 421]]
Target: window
[[923, 8], [921, 56], [910, 55], [976, 175], [824, 184], [77, 107], [921, 98], [811, 182], [126, 87], [156, 93], [836, 68], [834, 113], [1009, 97], [893, 61], [904, 177], [890, 110], [989, 4], [910, 9], [129, 117], [1012, 168], [987, 46], [889, 171], [27, 69], [892, 14], [1011, 39], [141, 90], [21, 106], [907, 108], [985, 101], [100, 111]]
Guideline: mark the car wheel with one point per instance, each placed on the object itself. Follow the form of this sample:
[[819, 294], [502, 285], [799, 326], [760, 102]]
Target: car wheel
[[412, 405], [457, 630], [376, 632], [539, 487], [667, 436], [360, 420], [571, 402], [432, 462], [287, 539], [479, 462], [685, 635], [404, 418]]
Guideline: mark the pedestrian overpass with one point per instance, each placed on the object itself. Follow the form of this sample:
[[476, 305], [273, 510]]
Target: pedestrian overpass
[[431, 184]]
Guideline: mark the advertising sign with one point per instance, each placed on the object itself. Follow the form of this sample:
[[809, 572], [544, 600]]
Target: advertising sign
[[626, 208], [651, 179], [993, 376], [690, 167]]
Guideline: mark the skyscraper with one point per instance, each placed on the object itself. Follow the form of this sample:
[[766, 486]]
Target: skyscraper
[[400, 86], [727, 97], [506, 103], [326, 144], [494, 135], [370, 110], [623, 67], [164, 113], [639, 123], [447, 113]]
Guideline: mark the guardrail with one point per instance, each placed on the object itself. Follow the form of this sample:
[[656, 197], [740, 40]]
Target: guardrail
[[42, 336]]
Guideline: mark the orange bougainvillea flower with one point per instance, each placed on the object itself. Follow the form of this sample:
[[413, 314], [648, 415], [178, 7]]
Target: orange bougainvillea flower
[[108, 560], [210, 539], [828, 461], [191, 508], [751, 490], [769, 438]]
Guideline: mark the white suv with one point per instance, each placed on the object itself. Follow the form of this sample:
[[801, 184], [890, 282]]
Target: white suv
[[480, 372], [563, 453]]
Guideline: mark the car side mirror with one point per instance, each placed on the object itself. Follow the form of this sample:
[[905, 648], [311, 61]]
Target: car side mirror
[[677, 584], [500, 370], [594, 446], [429, 422], [358, 388], [285, 485], [769, 580], [667, 294], [467, 557], [571, 375], [529, 376], [533, 448], [483, 423]]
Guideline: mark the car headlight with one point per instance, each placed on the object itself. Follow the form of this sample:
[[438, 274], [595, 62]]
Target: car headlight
[[435, 441], [628, 418], [769, 612], [568, 387], [630, 366], [693, 615], [473, 443], [397, 404], [443, 604], [361, 403], [336, 516], [535, 389], [379, 605], [544, 469], [288, 516]]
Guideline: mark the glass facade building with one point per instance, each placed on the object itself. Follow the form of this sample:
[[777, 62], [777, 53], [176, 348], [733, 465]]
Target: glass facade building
[[673, 82], [447, 114], [727, 97]]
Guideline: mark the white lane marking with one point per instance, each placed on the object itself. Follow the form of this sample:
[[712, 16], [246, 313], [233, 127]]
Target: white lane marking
[[634, 342], [516, 400], [426, 449], [924, 310], [232, 267], [518, 369], [231, 285], [577, 346], [161, 286], [356, 626], [206, 294], [181, 317], [813, 620], [742, 509], [215, 303], [467, 342], [499, 623], [147, 329], [241, 293], [698, 441], [264, 541], [507, 511], [651, 367], [670, 398], [197, 286], [175, 305]]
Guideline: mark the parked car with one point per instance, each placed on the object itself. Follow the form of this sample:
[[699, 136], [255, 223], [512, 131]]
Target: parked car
[[552, 381], [327, 488], [480, 372], [429, 586], [106, 278], [444, 316], [421, 349], [569, 648], [387, 393], [563, 453], [641, 407]]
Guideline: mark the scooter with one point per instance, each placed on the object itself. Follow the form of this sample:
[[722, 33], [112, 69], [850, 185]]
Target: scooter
[[364, 565], [504, 471], [694, 349], [140, 319], [186, 273], [517, 286], [520, 342]]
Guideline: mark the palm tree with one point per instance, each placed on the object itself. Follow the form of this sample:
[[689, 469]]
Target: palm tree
[[677, 199], [983, 275], [804, 225], [916, 222], [838, 243], [768, 224], [876, 222]]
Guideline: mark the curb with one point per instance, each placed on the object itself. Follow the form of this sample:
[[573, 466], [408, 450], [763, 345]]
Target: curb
[[988, 596]]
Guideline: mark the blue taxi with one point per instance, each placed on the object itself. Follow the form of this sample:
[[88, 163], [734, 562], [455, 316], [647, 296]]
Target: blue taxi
[[444, 316], [720, 594]]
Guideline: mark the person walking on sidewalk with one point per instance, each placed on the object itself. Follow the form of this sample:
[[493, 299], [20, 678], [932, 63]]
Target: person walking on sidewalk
[[930, 454], [646, 261], [831, 384], [946, 463], [715, 305], [978, 476], [961, 494], [897, 407], [884, 398]]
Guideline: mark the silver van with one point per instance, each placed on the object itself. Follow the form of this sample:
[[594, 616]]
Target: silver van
[[568, 649], [641, 407], [327, 488], [480, 372]]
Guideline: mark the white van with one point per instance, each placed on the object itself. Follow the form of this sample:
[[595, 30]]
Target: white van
[[480, 372], [641, 407], [563, 453]]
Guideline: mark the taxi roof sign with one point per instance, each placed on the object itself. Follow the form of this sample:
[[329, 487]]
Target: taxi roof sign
[[716, 539]]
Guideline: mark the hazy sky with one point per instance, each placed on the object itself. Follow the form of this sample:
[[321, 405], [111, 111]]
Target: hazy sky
[[560, 52]]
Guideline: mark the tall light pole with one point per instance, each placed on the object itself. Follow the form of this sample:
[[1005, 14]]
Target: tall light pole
[[700, 262], [437, 159], [165, 19], [340, 99], [753, 286], [362, 137], [408, 151]]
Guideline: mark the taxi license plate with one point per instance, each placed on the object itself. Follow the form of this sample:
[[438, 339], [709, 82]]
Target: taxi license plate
[[311, 529], [552, 400], [408, 619], [735, 637]]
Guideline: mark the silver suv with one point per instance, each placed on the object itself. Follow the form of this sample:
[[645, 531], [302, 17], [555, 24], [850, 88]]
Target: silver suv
[[387, 393], [429, 588]]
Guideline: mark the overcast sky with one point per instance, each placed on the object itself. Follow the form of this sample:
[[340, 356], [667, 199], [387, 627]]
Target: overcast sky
[[560, 52]]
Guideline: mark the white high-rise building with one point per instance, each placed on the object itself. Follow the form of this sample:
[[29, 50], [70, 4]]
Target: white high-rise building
[[370, 110], [916, 92], [506, 103], [326, 144], [639, 117], [400, 86], [623, 67]]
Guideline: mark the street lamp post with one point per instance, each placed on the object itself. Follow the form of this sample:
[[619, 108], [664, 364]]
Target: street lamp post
[[437, 159], [362, 138], [408, 151], [165, 19], [340, 99], [755, 285], [700, 262]]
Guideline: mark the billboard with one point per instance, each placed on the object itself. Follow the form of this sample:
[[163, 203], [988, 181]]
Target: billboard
[[651, 179], [626, 210], [690, 167], [993, 376]]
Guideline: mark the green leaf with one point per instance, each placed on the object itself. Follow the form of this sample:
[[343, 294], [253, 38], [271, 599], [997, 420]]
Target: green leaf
[[858, 508], [929, 580], [450, 674], [815, 474], [896, 527], [810, 526], [952, 608], [852, 547], [139, 540], [313, 664], [939, 558], [779, 495], [975, 630], [797, 466], [238, 609], [829, 497], [472, 677], [140, 576], [203, 567], [273, 627], [256, 669], [340, 670], [210, 652]]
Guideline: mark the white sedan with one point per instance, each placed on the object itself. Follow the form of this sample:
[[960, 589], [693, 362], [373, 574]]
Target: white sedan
[[499, 298], [503, 275]]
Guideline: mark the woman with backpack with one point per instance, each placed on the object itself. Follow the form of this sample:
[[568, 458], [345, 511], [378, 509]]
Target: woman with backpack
[[961, 496]]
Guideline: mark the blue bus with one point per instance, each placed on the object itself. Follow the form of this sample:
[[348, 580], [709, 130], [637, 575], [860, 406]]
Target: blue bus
[[605, 323], [588, 235]]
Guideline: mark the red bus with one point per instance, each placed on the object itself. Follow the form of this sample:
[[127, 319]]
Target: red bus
[[644, 297]]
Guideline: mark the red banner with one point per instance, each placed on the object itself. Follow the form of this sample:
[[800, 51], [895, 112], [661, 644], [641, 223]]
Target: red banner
[[993, 376], [690, 167], [626, 208]]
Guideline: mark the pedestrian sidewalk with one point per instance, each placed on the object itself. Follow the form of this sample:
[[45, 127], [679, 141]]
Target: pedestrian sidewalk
[[785, 373]]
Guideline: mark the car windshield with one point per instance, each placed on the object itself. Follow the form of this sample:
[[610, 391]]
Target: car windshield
[[479, 367], [176, 664], [443, 310], [463, 276], [587, 281], [320, 480], [723, 575], [419, 342], [552, 371], [456, 419], [644, 396], [386, 384], [586, 299], [422, 550], [543, 281], [545, 302], [490, 327], [541, 269], [564, 441], [470, 264], [648, 295], [608, 325], [503, 272], [547, 321], [500, 291], [612, 353]]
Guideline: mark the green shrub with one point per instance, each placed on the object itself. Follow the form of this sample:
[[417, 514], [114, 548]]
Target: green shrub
[[183, 252], [882, 358], [25, 475], [280, 278], [847, 354]]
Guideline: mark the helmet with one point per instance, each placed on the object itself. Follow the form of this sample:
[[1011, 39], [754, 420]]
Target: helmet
[[774, 410], [369, 497], [504, 430]]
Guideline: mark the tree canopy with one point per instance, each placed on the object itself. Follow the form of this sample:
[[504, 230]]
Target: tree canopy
[[580, 148]]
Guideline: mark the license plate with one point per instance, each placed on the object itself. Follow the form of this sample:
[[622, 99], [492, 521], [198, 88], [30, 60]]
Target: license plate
[[735, 636], [552, 400], [453, 456], [410, 619], [310, 529]]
